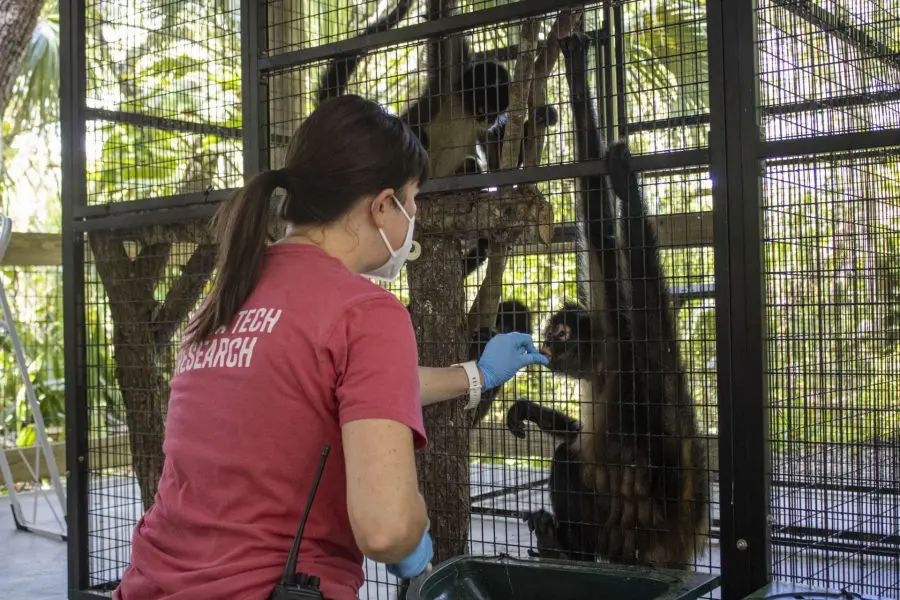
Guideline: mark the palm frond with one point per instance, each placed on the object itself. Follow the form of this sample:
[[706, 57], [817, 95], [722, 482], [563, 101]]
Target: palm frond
[[35, 98]]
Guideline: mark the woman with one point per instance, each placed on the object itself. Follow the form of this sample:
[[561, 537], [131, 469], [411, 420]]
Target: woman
[[293, 350]]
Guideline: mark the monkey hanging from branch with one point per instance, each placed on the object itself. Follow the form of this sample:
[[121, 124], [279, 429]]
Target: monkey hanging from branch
[[628, 481]]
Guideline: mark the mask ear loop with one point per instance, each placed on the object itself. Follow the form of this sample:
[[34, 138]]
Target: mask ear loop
[[415, 251]]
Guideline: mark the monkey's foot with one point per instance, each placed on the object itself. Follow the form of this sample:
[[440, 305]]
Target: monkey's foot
[[545, 529]]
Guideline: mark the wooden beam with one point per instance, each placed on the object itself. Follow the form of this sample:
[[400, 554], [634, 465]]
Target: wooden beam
[[105, 453], [676, 230], [684, 229], [33, 249]]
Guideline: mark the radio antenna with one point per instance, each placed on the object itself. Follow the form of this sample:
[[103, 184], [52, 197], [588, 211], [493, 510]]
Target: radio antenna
[[290, 567]]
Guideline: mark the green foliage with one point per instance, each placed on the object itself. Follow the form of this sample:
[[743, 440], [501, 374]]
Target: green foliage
[[39, 327], [182, 65], [832, 261], [29, 189]]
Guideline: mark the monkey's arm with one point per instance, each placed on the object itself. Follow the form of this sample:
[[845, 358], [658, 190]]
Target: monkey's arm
[[548, 420]]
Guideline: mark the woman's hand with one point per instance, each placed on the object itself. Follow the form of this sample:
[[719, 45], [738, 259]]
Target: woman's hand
[[504, 355], [416, 563]]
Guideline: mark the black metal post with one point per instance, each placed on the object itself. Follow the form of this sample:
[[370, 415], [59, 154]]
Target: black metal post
[[836, 142], [74, 192], [605, 82], [512, 11], [254, 91], [203, 206], [618, 43], [740, 323]]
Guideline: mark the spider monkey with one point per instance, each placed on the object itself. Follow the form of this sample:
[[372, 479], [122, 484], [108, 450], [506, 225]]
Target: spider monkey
[[334, 80], [449, 126], [627, 482], [463, 118], [452, 127]]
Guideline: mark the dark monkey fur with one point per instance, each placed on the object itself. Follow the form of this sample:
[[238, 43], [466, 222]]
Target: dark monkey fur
[[628, 482]]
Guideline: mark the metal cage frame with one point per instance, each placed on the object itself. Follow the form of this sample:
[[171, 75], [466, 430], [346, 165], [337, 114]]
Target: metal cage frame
[[734, 156]]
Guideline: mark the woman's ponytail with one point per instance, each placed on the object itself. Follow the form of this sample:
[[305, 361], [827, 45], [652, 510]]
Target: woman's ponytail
[[240, 228], [348, 148]]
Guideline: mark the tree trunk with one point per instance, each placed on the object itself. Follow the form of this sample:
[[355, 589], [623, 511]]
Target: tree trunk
[[142, 331], [143, 327], [18, 19], [437, 301]]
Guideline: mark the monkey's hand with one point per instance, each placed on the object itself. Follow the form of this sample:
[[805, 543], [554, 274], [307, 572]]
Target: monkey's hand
[[515, 418]]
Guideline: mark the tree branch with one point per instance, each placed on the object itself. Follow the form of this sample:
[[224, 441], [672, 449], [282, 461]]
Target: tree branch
[[18, 19], [149, 265], [476, 214], [183, 295], [484, 309], [543, 66], [518, 96], [174, 233], [109, 253]]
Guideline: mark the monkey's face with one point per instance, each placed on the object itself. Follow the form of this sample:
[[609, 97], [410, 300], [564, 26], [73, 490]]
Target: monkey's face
[[567, 341], [485, 91], [545, 116]]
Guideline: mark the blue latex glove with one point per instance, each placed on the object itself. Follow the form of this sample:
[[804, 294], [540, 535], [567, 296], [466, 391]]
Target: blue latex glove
[[504, 355], [416, 563]]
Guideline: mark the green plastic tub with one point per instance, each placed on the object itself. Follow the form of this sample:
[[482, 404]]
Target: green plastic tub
[[789, 591], [505, 578]]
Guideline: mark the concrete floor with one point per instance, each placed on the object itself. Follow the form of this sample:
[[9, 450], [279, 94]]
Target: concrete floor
[[32, 566]]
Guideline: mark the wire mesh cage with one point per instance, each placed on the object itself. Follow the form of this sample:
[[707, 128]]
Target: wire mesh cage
[[139, 286], [832, 385], [505, 477], [827, 69], [162, 99], [538, 218]]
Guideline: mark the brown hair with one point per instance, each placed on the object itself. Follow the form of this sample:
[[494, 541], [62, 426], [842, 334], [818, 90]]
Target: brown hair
[[349, 147]]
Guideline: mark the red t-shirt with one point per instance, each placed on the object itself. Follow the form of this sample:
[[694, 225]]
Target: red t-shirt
[[315, 346]]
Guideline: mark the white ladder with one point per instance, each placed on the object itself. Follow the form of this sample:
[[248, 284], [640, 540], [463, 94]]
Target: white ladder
[[24, 522]]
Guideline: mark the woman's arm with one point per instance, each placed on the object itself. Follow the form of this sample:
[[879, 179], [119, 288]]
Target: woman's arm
[[441, 384], [387, 513], [502, 358], [381, 425]]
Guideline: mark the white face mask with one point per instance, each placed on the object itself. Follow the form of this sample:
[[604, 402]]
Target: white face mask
[[390, 270]]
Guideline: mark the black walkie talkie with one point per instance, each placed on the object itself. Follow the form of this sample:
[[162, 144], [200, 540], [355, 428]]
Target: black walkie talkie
[[293, 585]]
